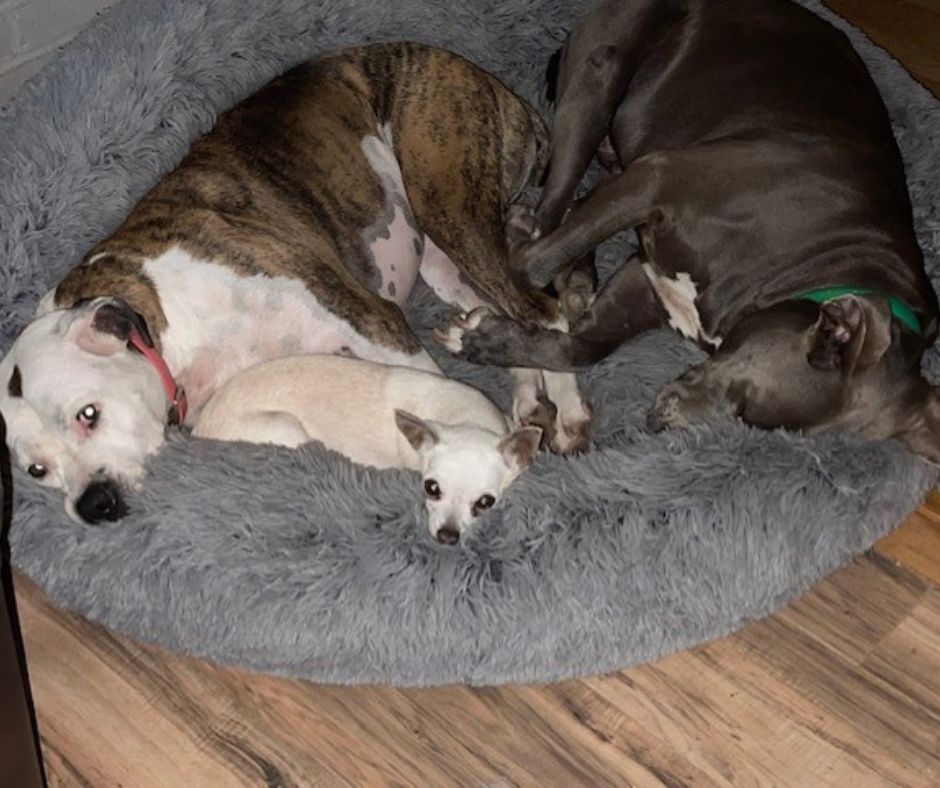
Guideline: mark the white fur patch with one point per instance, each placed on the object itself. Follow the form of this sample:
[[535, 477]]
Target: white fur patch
[[46, 303], [220, 323], [396, 248], [678, 299], [441, 275]]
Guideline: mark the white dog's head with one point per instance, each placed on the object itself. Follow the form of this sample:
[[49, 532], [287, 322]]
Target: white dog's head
[[82, 409], [465, 469]]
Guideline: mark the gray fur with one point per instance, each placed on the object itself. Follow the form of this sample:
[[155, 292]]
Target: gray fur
[[300, 563]]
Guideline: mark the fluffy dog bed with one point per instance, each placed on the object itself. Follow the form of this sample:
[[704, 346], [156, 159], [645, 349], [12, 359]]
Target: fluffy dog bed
[[300, 563]]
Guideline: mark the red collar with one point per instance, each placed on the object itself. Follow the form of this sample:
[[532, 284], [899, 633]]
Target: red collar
[[174, 392]]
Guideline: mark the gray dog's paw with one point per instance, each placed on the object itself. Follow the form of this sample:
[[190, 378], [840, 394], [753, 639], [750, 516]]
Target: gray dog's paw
[[479, 337]]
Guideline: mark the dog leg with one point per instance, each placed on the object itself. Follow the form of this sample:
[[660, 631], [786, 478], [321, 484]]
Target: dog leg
[[595, 68], [532, 407], [618, 204], [627, 306], [591, 90], [572, 431], [442, 276]]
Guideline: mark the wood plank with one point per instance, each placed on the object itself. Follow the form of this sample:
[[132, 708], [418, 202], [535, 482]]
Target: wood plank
[[910, 31], [908, 662], [916, 544]]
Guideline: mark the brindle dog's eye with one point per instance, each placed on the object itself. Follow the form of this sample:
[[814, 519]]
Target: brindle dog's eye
[[37, 470], [484, 502], [432, 489], [88, 415]]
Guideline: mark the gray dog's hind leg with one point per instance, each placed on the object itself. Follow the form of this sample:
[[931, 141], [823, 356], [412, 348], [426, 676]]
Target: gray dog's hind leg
[[622, 202], [597, 63], [591, 91]]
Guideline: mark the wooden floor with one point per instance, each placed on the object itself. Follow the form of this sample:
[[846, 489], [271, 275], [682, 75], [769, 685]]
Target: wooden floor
[[842, 688]]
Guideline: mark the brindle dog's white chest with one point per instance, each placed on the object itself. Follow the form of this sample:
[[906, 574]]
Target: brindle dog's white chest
[[220, 322]]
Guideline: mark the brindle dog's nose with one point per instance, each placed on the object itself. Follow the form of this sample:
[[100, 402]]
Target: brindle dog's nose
[[101, 501], [448, 535]]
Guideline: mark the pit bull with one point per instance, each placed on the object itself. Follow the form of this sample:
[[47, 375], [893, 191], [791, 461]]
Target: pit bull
[[299, 224], [383, 417], [775, 227]]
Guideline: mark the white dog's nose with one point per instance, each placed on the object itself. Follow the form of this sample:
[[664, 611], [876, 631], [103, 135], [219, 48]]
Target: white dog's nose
[[101, 501], [448, 534]]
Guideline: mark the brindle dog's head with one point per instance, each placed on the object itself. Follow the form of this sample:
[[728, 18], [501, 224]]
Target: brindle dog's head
[[82, 410], [844, 364]]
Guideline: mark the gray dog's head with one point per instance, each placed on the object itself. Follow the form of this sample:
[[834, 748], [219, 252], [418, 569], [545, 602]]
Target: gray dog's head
[[804, 366]]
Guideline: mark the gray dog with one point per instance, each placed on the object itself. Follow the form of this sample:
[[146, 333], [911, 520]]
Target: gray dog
[[759, 168]]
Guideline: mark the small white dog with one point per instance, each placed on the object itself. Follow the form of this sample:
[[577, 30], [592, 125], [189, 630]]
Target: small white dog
[[386, 417]]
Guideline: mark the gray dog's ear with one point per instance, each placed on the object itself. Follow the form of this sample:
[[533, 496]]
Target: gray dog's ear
[[520, 446], [104, 326], [852, 333], [419, 433]]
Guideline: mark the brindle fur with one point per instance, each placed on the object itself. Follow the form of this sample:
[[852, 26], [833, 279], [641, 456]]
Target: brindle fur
[[282, 187]]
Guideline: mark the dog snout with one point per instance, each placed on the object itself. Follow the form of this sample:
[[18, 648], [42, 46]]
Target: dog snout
[[448, 534], [102, 501]]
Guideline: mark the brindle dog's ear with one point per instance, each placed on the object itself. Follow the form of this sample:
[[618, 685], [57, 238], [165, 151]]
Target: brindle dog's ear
[[853, 332], [106, 325], [115, 317]]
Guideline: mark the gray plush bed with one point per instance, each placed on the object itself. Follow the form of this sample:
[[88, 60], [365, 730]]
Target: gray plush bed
[[300, 563]]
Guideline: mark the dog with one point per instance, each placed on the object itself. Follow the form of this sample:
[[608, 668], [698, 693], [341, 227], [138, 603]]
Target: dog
[[299, 224], [383, 417], [775, 227]]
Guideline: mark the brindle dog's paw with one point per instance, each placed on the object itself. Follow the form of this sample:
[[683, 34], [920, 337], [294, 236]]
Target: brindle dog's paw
[[545, 416], [573, 430]]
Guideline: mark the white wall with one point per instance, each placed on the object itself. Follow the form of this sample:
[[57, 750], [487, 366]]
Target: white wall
[[30, 32]]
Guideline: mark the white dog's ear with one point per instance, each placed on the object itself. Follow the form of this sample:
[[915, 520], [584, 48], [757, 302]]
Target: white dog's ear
[[520, 446], [104, 326], [419, 433]]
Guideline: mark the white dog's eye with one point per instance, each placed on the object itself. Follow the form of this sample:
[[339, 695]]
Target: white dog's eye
[[432, 489], [37, 470], [88, 415], [483, 503]]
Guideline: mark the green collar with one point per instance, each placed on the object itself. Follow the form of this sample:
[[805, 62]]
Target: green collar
[[899, 309]]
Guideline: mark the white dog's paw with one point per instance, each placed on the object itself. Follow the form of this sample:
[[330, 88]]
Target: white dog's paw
[[451, 334]]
